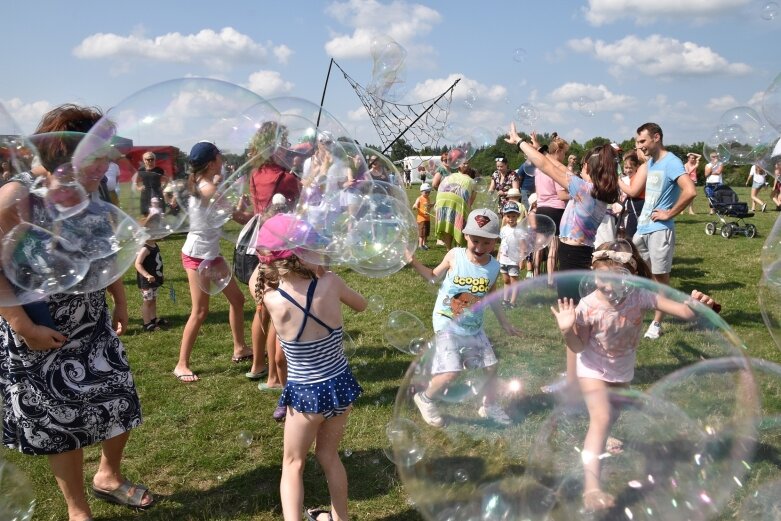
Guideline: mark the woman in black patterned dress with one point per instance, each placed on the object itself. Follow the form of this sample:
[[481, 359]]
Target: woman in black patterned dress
[[70, 386]]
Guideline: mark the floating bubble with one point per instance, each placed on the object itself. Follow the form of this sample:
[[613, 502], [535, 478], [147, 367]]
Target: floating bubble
[[769, 11], [214, 275], [65, 196], [347, 453], [763, 503], [532, 466], [527, 115], [586, 106], [535, 232], [405, 331], [245, 438], [743, 133], [17, 501], [376, 303], [519, 55], [349, 345], [715, 143], [771, 103], [405, 445], [470, 101], [388, 58], [770, 283]]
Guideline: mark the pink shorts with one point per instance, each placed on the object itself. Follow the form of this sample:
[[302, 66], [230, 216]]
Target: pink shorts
[[190, 263]]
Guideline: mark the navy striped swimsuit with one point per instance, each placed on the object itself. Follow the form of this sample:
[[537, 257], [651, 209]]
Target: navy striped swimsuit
[[319, 379]]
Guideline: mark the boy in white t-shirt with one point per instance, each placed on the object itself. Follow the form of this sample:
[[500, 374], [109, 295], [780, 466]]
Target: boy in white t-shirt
[[510, 252]]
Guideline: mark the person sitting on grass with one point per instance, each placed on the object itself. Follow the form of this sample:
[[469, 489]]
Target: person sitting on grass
[[470, 274]]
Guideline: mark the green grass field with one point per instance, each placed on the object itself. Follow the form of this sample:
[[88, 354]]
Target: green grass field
[[191, 449]]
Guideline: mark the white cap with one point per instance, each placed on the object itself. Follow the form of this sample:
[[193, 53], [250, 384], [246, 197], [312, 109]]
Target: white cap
[[482, 223], [278, 199], [425, 187]]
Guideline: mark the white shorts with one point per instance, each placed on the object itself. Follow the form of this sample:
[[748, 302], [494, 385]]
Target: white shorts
[[455, 353], [657, 249]]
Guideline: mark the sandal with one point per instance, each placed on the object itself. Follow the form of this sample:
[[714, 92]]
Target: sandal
[[151, 326], [122, 495], [242, 358], [313, 513]]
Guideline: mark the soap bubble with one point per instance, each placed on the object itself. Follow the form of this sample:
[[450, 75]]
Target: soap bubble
[[178, 114], [535, 232], [715, 143], [769, 11], [405, 447], [527, 115], [376, 303], [519, 55], [531, 467], [214, 275], [471, 99], [743, 132], [771, 103], [65, 196], [770, 283], [388, 58], [245, 438], [17, 500], [763, 503], [405, 331], [586, 106]]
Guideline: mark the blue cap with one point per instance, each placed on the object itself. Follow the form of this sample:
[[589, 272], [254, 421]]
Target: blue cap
[[511, 207], [203, 152]]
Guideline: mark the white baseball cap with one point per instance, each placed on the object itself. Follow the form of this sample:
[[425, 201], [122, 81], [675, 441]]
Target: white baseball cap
[[425, 187], [482, 223]]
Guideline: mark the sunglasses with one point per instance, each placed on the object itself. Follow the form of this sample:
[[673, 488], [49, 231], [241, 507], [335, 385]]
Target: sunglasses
[[498, 159]]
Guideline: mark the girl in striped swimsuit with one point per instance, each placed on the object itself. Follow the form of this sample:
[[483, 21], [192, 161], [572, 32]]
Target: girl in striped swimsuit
[[320, 389]]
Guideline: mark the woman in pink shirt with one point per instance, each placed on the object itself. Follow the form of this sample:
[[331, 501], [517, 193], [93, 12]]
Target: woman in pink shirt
[[551, 197]]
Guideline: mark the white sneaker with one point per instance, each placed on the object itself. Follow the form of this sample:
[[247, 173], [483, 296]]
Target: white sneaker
[[654, 330], [428, 410], [495, 413]]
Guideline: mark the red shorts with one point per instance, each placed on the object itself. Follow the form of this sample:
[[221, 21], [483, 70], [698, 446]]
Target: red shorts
[[190, 263]]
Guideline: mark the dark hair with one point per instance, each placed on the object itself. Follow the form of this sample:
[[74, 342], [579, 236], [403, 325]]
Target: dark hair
[[65, 118], [651, 128], [633, 158], [603, 170], [270, 274], [501, 159]]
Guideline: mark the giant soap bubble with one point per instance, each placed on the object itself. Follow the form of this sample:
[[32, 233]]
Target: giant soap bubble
[[675, 463], [770, 283], [176, 113], [743, 134], [771, 103]]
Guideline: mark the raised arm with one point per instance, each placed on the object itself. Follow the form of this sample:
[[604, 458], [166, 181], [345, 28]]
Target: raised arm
[[431, 275], [554, 170]]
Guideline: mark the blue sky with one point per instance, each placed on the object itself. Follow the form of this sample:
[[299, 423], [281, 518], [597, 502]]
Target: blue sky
[[681, 63]]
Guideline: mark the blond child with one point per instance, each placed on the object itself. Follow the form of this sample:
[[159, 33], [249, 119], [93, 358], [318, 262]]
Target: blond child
[[423, 206], [149, 278]]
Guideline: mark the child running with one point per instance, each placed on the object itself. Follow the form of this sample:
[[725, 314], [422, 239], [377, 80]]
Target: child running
[[470, 273], [510, 252], [604, 330], [203, 243], [320, 388]]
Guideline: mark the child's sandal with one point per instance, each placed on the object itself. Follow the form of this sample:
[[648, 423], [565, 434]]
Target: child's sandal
[[151, 326]]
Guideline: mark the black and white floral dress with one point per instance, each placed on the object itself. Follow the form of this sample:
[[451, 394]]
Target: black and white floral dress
[[60, 400]]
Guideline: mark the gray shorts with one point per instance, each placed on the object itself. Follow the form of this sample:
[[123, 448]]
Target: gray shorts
[[657, 248], [511, 269], [757, 186], [455, 353]]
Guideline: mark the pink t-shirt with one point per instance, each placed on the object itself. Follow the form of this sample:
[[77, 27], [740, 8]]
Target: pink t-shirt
[[546, 189], [612, 333]]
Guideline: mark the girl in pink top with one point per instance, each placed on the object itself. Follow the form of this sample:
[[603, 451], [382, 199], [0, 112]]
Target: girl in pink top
[[604, 330]]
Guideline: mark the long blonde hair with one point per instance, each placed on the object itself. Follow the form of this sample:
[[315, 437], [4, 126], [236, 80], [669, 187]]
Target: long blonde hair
[[270, 274]]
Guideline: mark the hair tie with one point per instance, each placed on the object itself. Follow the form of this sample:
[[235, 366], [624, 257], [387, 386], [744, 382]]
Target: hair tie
[[616, 256]]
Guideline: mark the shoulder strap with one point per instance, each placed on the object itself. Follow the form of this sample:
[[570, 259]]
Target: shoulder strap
[[307, 314]]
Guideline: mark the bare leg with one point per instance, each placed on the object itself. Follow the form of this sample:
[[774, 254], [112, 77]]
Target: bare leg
[[327, 452], [439, 382], [258, 342], [553, 253], [663, 278], [300, 432], [595, 392], [68, 469], [148, 310], [514, 291], [198, 313], [236, 318], [109, 475]]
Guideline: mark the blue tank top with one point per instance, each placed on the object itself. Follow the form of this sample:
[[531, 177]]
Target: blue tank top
[[464, 285], [313, 361]]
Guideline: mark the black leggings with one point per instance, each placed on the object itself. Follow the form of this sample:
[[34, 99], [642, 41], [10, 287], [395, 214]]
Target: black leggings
[[572, 258]]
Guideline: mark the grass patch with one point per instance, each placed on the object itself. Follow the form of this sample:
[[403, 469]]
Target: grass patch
[[189, 450]]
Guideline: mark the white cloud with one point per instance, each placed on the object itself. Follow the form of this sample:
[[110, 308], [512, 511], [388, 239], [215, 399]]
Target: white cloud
[[596, 98], [658, 56], [25, 115], [756, 100], [601, 12], [433, 87], [404, 22], [218, 50], [721, 103], [282, 53], [359, 114], [269, 83]]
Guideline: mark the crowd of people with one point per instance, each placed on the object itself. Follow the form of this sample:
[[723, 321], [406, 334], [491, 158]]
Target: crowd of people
[[297, 329]]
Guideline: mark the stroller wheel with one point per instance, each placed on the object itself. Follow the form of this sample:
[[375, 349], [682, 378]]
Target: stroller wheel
[[751, 231], [710, 228], [727, 230]]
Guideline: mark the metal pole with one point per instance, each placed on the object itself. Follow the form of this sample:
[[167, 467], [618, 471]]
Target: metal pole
[[322, 98], [421, 115]]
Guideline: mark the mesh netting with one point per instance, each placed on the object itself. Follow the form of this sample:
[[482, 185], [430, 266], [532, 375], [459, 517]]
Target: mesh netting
[[420, 124]]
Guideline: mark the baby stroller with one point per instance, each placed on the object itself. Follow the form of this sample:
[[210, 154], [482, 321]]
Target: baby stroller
[[725, 203]]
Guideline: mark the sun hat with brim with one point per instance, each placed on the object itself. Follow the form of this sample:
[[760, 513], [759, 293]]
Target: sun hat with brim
[[482, 223]]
